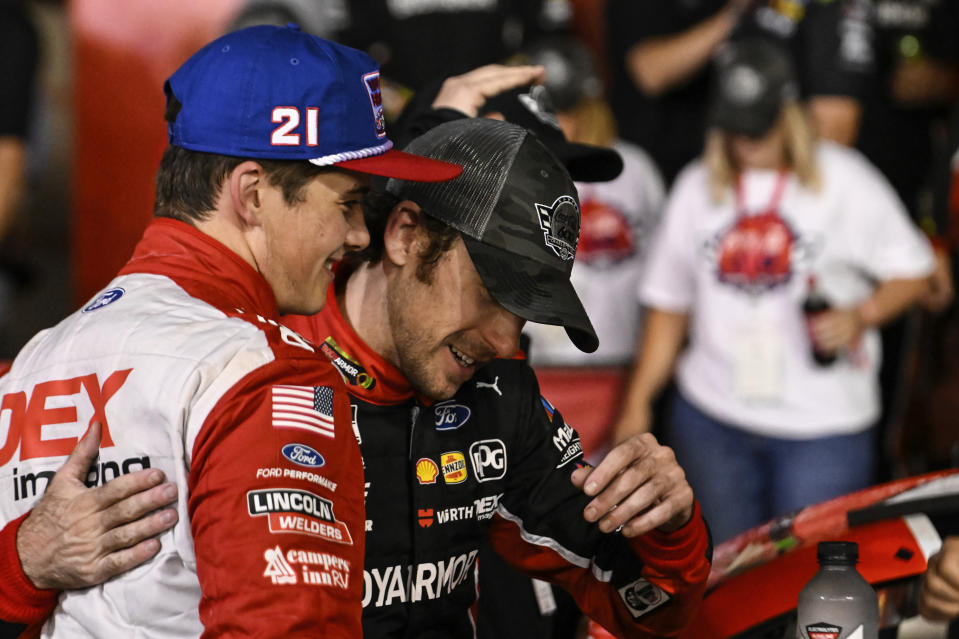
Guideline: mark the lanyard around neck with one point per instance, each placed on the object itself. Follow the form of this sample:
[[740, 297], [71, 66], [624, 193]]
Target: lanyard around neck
[[773, 207]]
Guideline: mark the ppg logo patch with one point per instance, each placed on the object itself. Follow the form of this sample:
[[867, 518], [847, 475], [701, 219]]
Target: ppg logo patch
[[105, 299], [642, 597], [489, 459]]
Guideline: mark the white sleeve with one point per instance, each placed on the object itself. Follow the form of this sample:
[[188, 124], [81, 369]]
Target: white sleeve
[[669, 281], [888, 244]]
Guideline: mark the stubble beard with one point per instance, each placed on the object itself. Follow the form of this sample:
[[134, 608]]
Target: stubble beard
[[413, 352]]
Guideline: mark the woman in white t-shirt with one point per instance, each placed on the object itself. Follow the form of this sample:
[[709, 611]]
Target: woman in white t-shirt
[[768, 214]]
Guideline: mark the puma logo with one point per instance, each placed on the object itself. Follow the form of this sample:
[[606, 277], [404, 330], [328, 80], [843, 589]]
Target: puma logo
[[493, 385]]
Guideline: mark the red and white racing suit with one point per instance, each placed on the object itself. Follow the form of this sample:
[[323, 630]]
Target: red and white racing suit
[[184, 363]]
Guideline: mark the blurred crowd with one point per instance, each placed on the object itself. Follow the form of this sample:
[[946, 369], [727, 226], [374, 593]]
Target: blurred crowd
[[768, 257], [771, 269]]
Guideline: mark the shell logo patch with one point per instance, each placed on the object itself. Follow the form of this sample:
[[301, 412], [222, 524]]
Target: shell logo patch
[[453, 464], [426, 471]]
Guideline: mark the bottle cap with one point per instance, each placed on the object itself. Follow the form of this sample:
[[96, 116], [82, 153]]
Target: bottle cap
[[838, 552]]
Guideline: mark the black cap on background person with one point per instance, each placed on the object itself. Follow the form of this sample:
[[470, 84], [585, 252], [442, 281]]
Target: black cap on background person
[[532, 108], [754, 79]]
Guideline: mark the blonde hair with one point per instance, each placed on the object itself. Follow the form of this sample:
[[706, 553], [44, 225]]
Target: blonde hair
[[800, 153], [593, 122]]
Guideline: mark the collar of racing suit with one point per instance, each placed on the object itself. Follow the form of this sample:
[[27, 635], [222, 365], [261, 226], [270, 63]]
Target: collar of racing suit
[[374, 380], [176, 249]]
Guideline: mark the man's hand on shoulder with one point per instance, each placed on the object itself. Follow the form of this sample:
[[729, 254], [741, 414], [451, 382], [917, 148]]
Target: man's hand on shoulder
[[640, 486], [76, 537]]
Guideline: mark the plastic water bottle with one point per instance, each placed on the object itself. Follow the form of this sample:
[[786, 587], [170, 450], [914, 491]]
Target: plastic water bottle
[[837, 603]]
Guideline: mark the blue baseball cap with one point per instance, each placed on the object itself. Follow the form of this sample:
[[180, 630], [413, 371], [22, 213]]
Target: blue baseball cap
[[279, 93]]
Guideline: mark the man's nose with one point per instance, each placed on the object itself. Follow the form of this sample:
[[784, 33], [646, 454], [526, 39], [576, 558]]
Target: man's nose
[[502, 331], [357, 236]]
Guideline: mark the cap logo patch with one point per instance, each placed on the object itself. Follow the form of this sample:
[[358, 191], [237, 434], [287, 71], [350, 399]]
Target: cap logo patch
[[560, 224], [744, 85], [372, 83]]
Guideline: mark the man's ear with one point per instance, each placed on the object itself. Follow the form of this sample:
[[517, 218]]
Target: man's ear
[[403, 232], [246, 183]]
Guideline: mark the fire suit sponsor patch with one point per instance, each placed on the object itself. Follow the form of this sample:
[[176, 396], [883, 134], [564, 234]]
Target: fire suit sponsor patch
[[420, 582], [641, 597], [453, 464], [567, 442], [482, 508], [488, 457], [104, 299], [308, 408], [277, 568], [823, 630], [303, 455], [298, 511], [425, 517], [315, 568], [29, 485], [293, 473], [450, 416], [351, 370], [426, 471]]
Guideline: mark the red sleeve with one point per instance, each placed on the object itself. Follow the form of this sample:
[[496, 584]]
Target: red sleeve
[[659, 601], [20, 602], [276, 507]]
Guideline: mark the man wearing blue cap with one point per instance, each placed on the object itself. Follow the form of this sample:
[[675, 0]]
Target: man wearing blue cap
[[181, 364]]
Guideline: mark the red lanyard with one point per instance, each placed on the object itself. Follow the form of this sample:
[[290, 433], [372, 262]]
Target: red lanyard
[[781, 178]]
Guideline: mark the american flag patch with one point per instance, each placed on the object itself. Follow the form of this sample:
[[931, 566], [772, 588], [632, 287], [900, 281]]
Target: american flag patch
[[305, 407]]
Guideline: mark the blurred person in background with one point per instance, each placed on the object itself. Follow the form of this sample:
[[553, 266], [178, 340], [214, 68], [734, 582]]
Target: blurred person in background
[[619, 215], [660, 64], [904, 134], [19, 53], [417, 41], [760, 426]]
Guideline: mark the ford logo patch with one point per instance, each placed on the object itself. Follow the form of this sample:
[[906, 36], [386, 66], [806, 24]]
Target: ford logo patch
[[451, 416], [303, 455], [105, 298]]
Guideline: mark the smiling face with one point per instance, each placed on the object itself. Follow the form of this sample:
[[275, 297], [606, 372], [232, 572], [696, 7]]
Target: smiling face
[[302, 241], [443, 330]]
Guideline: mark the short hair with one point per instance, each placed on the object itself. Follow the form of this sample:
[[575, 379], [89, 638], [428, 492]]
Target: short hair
[[188, 183], [377, 206]]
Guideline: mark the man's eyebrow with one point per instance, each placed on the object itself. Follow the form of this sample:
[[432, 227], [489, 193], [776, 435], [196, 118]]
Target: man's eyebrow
[[354, 192]]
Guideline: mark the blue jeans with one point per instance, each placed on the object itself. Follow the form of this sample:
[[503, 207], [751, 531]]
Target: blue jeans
[[742, 480]]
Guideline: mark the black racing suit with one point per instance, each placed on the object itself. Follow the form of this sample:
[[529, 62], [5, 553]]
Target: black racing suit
[[493, 462]]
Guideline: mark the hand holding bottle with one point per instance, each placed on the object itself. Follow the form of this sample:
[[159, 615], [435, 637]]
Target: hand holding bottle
[[836, 329]]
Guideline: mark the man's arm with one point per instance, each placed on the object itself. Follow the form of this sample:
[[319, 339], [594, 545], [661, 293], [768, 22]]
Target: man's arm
[[76, 537], [663, 335], [645, 579], [659, 64], [272, 535]]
